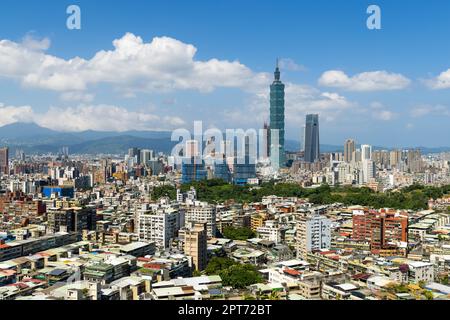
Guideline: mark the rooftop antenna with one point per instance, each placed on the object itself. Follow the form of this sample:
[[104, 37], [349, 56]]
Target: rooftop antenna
[[277, 70]]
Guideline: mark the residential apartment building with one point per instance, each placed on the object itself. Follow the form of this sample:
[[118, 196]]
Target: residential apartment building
[[313, 234], [202, 212], [195, 245]]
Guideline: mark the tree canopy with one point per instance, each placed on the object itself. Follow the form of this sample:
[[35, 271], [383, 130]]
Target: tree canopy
[[414, 197], [233, 273]]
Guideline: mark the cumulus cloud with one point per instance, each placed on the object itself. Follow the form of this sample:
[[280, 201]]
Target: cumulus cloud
[[442, 81], [380, 112], [32, 43], [366, 81], [89, 117], [13, 114], [162, 64]]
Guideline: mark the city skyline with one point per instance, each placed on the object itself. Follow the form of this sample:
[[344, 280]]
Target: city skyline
[[172, 71]]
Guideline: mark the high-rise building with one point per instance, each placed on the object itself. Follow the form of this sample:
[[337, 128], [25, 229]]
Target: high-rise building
[[146, 156], [277, 152], [195, 245], [395, 158], [414, 161], [312, 141], [265, 153], [368, 166], [349, 148], [369, 170], [135, 153], [313, 234], [366, 152], [4, 160]]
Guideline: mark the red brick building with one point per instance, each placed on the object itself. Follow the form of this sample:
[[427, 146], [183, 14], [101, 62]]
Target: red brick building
[[381, 228]]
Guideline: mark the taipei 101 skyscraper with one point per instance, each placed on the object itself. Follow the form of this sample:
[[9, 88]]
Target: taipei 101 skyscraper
[[277, 153]]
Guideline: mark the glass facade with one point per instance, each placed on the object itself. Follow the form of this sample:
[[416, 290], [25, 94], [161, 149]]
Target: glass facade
[[277, 152]]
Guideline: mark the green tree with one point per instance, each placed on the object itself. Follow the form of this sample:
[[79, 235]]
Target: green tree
[[217, 264], [240, 276], [238, 233]]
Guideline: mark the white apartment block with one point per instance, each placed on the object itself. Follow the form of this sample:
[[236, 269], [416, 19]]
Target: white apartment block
[[421, 271], [313, 234], [270, 231], [159, 225], [202, 212]]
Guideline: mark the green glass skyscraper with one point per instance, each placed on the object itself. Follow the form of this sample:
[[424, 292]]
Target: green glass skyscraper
[[277, 153]]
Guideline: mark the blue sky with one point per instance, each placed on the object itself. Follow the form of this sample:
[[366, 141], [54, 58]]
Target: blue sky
[[386, 87]]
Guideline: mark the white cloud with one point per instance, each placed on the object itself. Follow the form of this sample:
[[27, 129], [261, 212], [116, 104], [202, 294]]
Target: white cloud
[[12, 114], [162, 64], [380, 112], [384, 115], [366, 81], [89, 117], [442, 81], [33, 43]]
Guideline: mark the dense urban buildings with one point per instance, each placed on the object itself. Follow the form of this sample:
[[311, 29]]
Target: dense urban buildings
[[357, 223]]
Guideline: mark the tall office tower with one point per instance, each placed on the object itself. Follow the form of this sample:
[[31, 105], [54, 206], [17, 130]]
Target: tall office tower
[[4, 160], [312, 142], [277, 153], [135, 153], [349, 148], [202, 212], [195, 245], [266, 143], [366, 152], [159, 225], [146, 156], [368, 166], [313, 233]]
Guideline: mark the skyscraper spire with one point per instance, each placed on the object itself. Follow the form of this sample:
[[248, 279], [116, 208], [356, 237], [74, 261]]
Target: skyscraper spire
[[277, 71]]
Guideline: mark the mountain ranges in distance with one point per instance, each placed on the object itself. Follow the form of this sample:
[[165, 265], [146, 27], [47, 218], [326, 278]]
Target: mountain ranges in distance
[[33, 139]]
